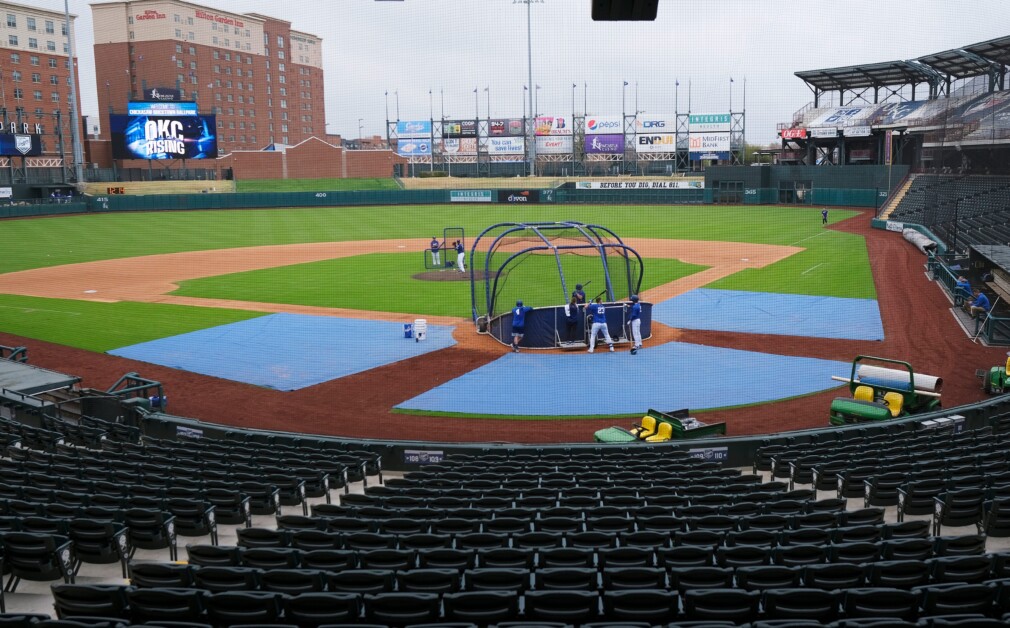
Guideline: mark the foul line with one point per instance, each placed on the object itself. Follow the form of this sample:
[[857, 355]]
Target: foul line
[[37, 309], [809, 238], [811, 268]]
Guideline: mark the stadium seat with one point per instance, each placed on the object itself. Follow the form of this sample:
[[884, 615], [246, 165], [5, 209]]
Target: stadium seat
[[317, 609], [801, 604], [428, 580], [402, 608], [733, 605], [361, 581], [622, 578], [149, 575], [161, 605], [831, 576], [654, 606], [761, 577], [36, 557], [89, 600], [481, 607], [221, 578], [956, 599], [881, 602], [244, 607], [292, 581], [574, 607]]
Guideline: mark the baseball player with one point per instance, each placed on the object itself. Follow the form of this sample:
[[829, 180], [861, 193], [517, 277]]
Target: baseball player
[[460, 255], [519, 324], [636, 324], [824, 216], [436, 258], [599, 314], [579, 294]]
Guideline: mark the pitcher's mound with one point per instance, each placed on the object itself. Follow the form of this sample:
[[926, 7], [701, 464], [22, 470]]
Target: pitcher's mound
[[450, 275]]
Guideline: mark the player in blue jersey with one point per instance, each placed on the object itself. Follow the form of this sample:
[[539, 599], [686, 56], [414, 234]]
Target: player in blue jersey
[[519, 324], [824, 216], [436, 258], [635, 316], [460, 256], [599, 314]]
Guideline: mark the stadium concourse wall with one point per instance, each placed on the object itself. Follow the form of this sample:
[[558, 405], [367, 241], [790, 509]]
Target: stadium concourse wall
[[732, 452]]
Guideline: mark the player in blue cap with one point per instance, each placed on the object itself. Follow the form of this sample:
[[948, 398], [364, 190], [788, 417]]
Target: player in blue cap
[[460, 256], [519, 324], [436, 260], [579, 294], [599, 313], [635, 316]]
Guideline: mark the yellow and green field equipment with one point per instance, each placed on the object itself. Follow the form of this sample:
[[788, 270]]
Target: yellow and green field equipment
[[660, 427], [879, 393], [995, 381]]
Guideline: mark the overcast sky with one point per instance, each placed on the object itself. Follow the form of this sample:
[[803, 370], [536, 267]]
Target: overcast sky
[[453, 46]]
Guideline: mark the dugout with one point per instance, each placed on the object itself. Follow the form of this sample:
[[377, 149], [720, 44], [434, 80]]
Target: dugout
[[540, 264]]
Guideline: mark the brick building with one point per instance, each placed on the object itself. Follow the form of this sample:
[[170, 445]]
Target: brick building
[[262, 79], [35, 77]]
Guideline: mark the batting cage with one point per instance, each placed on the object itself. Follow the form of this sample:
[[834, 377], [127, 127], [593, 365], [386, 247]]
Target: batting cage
[[541, 264]]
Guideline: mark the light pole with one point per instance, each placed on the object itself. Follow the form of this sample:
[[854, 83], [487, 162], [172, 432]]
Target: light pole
[[488, 91], [397, 94], [431, 107], [536, 103], [731, 94], [75, 136], [387, 108], [360, 126], [529, 67], [585, 98]]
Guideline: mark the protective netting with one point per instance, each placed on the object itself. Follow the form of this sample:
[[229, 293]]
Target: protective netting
[[541, 264]]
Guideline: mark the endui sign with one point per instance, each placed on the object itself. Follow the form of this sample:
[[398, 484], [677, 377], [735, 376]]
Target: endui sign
[[656, 143]]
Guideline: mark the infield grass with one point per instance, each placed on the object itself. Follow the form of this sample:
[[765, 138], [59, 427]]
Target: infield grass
[[389, 286]]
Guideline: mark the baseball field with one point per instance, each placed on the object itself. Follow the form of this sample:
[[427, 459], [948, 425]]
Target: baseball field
[[156, 292]]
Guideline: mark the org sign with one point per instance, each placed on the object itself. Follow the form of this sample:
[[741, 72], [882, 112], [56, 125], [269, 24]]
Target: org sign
[[653, 124]]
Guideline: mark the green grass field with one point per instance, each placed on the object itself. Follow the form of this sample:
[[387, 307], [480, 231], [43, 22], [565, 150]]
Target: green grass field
[[339, 283], [314, 185], [834, 264]]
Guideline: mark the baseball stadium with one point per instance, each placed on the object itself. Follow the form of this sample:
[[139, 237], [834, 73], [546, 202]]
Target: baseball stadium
[[506, 367]]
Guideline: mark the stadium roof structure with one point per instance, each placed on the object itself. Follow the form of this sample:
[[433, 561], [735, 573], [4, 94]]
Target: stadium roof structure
[[937, 70], [890, 75]]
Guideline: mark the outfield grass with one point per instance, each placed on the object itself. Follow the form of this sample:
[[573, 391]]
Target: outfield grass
[[314, 185], [105, 326], [384, 282], [834, 264]]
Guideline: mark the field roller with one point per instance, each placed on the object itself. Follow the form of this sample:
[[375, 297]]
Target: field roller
[[879, 393]]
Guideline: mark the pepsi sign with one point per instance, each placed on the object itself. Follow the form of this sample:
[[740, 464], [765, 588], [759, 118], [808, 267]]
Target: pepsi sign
[[603, 125]]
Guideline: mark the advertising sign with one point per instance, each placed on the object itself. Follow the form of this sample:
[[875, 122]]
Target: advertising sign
[[604, 144], [553, 125], [470, 196], [656, 143], [20, 145], [413, 129], [794, 134], [519, 196], [639, 185], [168, 108], [459, 128], [840, 116], [163, 137], [506, 146], [709, 146], [413, 148], [423, 456], [709, 123], [824, 132], [555, 145], [856, 131], [511, 126], [6, 192], [163, 94], [603, 125], [461, 146], [656, 124], [888, 147]]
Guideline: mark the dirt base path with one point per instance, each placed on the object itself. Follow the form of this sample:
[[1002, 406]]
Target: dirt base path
[[917, 324]]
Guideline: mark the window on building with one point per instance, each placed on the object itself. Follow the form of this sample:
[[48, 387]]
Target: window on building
[[227, 42], [129, 19], [178, 33], [284, 139], [38, 110], [247, 32], [63, 29], [179, 78], [284, 128], [241, 125], [18, 93], [231, 125], [192, 65], [191, 36], [189, 21], [217, 69], [281, 67], [217, 110], [12, 21], [283, 91], [178, 47], [213, 26], [192, 50], [284, 104], [214, 40], [177, 18], [238, 71], [12, 40], [227, 70], [51, 46], [31, 24], [216, 55], [49, 27], [249, 73], [251, 101], [225, 28], [16, 58], [33, 43], [241, 99], [227, 56], [227, 84], [178, 63], [217, 82], [54, 97], [54, 79], [248, 46], [282, 79], [252, 125], [230, 98], [192, 78], [37, 94], [231, 111], [280, 54], [217, 97], [66, 48], [280, 41], [252, 139], [52, 62], [16, 76], [132, 35], [270, 90], [284, 115]]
